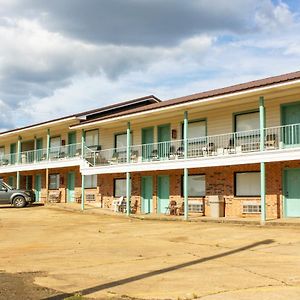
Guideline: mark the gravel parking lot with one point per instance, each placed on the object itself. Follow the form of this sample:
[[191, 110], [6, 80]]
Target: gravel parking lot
[[51, 254]]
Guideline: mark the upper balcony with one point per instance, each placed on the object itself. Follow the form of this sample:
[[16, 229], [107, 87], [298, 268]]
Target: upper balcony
[[225, 149], [41, 158]]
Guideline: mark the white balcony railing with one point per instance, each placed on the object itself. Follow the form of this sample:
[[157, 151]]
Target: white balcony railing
[[225, 144], [40, 155]]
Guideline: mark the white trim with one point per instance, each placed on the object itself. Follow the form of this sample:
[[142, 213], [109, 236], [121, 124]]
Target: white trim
[[212, 161], [185, 104], [46, 124]]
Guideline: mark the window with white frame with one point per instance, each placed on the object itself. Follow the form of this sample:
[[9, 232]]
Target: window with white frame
[[196, 185], [92, 138], [90, 181], [247, 121], [2, 151], [247, 184], [55, 143], [121, 140], [196, 129], [54, 181], [119, 188]]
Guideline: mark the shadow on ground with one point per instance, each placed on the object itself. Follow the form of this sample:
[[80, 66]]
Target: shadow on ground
[[116, 283]]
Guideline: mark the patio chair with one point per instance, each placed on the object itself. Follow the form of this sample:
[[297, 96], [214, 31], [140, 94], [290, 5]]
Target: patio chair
[[271, 141], [154, 155], [180, 152], [117, 204], [115, 158], [180, 210], [230, 149], [209, 149], [134, 156], [134, 207], [171, 208]]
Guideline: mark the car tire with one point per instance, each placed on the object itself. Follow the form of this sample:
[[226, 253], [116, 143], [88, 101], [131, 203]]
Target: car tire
[[19, 201]]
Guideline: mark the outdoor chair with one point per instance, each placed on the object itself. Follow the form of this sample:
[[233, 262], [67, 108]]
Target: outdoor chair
[[171, 208], [154, 155], [172, 153], [115, 158], [134, 155], [117, 204], [209, 149], [180, 210], [230, 149], [180, 152], [271, 141], [134, 207], [54, 196]]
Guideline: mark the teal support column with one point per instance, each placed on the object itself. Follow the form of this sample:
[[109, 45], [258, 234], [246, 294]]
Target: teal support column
[[48, 144], [185, 171], [262, 123], [82, 142], [263, 192], [35, 148], [82, 191], [18, 179], [128, 195], [19, 150]]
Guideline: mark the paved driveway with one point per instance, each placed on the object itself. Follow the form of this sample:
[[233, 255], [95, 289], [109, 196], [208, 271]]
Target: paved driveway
[[109, 257]]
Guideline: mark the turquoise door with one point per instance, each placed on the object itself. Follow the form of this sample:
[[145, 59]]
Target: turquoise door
[[71, 187], [163, 138], [38, 187], [163, 193], [147, 194], [39, 149], [72, 144], [292, 192], [13, 155], [147, 141], [290, 114]]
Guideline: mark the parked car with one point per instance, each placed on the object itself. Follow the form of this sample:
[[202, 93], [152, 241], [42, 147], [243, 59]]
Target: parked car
[[15, 197]]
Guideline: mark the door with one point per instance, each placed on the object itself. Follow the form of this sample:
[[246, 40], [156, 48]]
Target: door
[[39, 149], [13, 155], [72, 144], [292, 192], [71, 187], [147, 142], [163, 193], [147, 194], [163, 138], [38, 187], [291, 115]]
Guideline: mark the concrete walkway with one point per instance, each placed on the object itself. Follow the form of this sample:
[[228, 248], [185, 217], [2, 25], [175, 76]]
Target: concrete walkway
[[90, 209]]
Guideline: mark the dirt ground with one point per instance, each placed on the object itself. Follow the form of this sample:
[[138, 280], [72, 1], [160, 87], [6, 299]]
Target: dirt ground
[[51, 254]]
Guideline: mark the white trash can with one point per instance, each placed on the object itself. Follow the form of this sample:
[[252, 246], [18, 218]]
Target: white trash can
[[217, 208]]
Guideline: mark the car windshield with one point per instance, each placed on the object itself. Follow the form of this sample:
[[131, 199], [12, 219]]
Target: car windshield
[[5, 185]]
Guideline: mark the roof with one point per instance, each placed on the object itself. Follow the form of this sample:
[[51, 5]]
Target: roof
[[207, 94], [147, 100]]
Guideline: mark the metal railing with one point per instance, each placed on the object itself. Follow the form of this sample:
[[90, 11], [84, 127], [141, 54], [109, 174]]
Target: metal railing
[[215, 145], [39, 155]]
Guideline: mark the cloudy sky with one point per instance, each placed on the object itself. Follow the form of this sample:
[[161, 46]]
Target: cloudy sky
[[64, 56]]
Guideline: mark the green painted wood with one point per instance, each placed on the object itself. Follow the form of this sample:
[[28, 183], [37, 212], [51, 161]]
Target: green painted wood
[[163, 193], [185, 171], [147, 141], [71, 187], [72, 142], [262, 122], [290, 114], [164, 137], [263, 192], [48, 144], [13, 153], [292, 192], [147, 194], [82, 190], [38, 187], [39, 147]]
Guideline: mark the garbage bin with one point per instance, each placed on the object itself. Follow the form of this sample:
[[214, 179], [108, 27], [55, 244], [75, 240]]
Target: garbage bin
[[216, 204]]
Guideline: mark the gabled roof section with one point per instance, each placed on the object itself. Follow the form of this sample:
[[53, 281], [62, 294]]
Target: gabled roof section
[[119, 107], [91, 114], [251, 85]]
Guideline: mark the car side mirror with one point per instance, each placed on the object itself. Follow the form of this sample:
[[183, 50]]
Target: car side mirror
[[4, 189]]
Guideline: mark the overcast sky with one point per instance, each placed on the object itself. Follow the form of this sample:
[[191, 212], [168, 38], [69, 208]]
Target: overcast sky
[[64, 56]]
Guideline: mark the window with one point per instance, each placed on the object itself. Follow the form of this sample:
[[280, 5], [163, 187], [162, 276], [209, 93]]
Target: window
[[196, 129], [92, 138], [247, 184], [90, 181], [196, 186], [247, 121], [121, 140], [11, 181], [119, 188], [2, 151], [55, 142], [53, 181]]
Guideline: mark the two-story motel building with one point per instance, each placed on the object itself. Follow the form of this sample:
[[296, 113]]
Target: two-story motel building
[[240, 143]]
